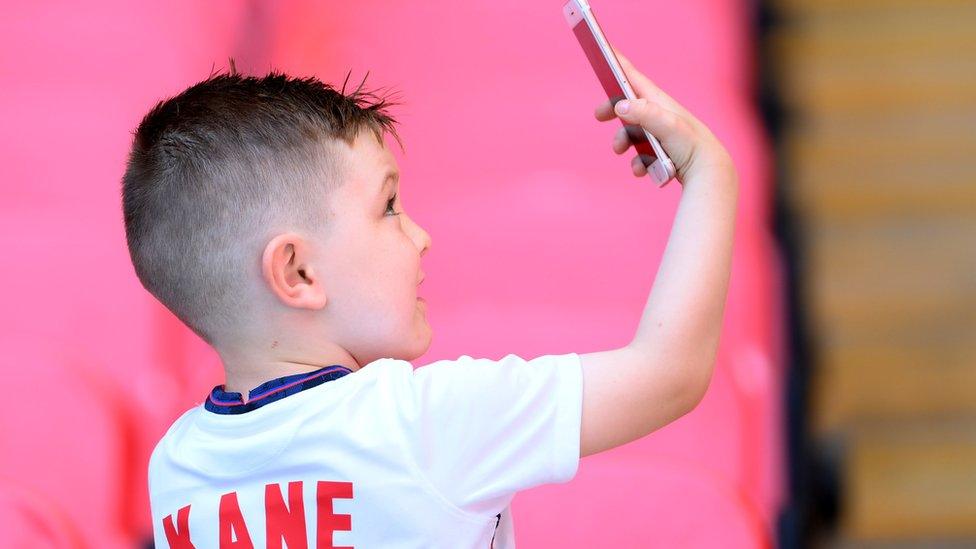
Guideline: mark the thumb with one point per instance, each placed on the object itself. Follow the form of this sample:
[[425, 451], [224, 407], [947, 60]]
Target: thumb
[[673, 132]]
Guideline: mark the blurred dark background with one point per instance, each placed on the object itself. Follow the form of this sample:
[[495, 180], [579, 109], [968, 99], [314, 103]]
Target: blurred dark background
[[872, 105]]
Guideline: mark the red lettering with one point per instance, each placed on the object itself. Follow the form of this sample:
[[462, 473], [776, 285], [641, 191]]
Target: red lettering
[[232, 524], [328, 521], [178, 539], [287, 523]]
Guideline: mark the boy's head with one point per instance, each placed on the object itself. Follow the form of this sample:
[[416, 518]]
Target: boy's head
[[257, 209]]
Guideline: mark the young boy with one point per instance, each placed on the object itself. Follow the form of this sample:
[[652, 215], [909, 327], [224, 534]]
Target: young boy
[[265, 213]]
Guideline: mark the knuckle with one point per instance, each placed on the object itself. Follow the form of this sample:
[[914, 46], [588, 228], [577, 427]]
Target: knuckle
[[652, 110]]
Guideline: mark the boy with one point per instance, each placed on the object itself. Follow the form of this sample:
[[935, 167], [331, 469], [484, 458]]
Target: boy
[[265, 213]]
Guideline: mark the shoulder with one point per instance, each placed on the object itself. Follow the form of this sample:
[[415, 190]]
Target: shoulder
[[466, 378], [510, 365], [175, 431]]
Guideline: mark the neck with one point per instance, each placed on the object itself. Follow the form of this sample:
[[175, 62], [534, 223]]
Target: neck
[[246, 370]]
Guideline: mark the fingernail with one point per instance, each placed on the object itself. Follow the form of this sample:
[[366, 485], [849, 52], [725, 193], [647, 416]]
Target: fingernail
[[622, 106]]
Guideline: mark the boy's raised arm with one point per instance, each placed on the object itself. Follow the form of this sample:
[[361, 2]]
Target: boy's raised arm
[[664, 372]]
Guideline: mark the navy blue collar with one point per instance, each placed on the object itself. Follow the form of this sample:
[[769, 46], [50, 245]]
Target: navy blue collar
[[222, 402]]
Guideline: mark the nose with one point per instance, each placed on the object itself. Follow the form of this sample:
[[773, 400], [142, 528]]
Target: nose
[[420, 237], [427, 242]]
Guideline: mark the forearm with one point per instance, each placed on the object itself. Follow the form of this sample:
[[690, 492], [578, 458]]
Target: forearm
[[682, 319], [679, 329]]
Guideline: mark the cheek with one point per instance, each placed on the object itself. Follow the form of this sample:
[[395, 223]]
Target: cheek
[[401, 268], [401, 256], [378, 268], [355, 270]]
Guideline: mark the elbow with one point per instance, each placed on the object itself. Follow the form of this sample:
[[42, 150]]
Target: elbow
[[694, 386], [698, 376], [681, 384]]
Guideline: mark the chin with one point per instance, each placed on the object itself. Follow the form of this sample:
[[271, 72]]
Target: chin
[[421, 344]]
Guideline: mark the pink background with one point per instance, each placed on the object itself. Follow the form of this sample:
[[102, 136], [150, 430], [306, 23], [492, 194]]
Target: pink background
[[543, 241]]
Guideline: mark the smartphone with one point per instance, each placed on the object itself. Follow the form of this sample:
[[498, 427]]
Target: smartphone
[[582, 21]]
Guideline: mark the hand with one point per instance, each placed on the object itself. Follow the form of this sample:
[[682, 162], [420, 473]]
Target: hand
[[689, 143]]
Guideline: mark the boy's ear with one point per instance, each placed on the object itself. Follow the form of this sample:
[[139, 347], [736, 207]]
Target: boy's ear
[[288, 273]]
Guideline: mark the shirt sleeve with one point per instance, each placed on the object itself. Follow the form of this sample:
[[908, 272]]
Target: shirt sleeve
[[485, 429]]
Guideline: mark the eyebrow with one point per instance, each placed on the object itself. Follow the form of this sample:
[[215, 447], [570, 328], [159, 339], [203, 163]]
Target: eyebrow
[[391, 175]]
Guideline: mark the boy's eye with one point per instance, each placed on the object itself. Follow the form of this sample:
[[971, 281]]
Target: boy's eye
[[389, 205]]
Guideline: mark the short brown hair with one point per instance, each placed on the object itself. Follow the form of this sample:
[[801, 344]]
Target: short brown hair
[[213, 170]]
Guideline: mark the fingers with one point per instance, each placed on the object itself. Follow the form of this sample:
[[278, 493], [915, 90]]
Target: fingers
[[644, 87], [604, 111], [678, 131], [641, 84], [638, 167], [675, 133], [620, 141]]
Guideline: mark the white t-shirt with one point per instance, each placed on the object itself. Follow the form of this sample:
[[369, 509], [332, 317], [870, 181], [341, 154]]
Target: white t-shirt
[[386, 456]]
